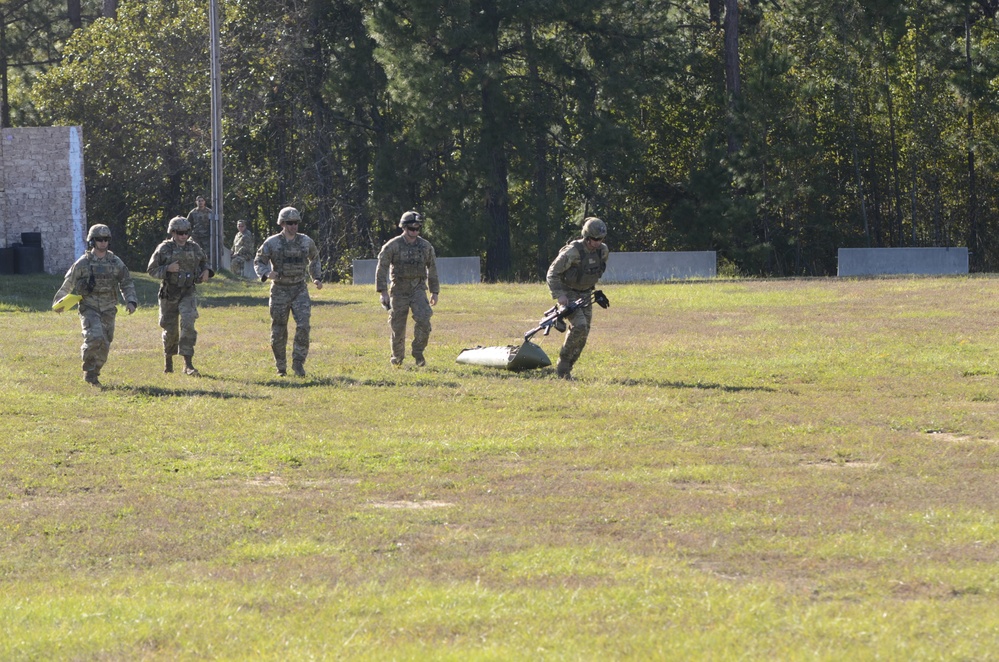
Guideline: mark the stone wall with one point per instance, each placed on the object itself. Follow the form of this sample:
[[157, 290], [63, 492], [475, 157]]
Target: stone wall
[[42, 190]]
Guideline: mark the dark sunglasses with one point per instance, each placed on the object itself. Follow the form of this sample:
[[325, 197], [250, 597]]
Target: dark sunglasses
[[414, 227], [180, 232], [102, 238], [291, 222]]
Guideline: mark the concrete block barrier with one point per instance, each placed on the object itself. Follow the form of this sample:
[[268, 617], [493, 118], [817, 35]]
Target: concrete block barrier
[[885, 261], [450, 271], [660, 266]]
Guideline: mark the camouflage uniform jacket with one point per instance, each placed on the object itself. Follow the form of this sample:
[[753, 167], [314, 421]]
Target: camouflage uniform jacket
[[242, 245], [192, 260], [98, 280], [410, 267], [201, 225], [576, 269], [291, 259]]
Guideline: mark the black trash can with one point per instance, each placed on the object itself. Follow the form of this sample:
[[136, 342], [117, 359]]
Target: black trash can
[[29, 260], [31, 239], [7, 267]]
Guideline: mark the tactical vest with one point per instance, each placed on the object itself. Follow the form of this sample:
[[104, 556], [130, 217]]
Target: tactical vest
[[102, 276], [187, 257], [412, 261], [586, 274], [291, 261]]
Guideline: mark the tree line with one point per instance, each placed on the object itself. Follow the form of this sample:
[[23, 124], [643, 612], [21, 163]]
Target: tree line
[[771, 131]]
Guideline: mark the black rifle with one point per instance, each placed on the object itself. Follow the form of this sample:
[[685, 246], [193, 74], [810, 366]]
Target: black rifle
[[555, 316]]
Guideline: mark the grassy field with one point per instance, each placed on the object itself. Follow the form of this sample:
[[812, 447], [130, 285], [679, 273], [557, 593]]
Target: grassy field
[[761, 470]]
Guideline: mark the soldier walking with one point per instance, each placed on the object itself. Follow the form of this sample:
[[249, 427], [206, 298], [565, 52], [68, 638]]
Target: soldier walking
[[180, 263], [97, 276], [242, 248], [574, 274], [409, 264], [288, 259]]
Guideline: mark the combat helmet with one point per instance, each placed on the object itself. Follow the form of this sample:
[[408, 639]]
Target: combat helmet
[[594, 228], [288, 214], [178, 223], [99, 231], [411, 218]]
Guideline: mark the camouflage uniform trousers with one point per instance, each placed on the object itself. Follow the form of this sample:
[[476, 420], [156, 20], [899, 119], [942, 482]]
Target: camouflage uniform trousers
[[98, 332], [179, 338], [292, 299], [401, 305], [575, 340], [236, 266]]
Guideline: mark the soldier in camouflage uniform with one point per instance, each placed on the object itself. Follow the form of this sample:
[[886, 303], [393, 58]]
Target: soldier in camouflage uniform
[[289, 259], [180, 263], [242, 248], [573, 274], [200, 219], [409, 262], [98, 276]]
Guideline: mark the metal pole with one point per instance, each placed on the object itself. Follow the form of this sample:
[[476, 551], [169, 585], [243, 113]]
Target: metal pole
[[215, 250]]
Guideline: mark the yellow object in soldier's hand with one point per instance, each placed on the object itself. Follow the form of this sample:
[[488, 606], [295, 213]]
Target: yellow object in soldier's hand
[[67, 302]]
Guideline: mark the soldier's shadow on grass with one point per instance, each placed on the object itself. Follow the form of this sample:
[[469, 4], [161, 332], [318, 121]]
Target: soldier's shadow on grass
[[662, 383], [250, 301], [503, 373], [161, 392], [311, 381]]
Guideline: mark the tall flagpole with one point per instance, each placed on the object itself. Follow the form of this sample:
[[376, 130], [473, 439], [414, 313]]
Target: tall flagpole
[[215, 250]]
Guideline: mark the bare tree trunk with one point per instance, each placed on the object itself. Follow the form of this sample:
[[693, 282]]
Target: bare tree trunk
[[110, 9], [541, 187], [860, 179], [732, 84], [897, 237], [974, 238], [498, 253], [499, 258], [74, 14], [916, 107], [4, 95], [715, 11]]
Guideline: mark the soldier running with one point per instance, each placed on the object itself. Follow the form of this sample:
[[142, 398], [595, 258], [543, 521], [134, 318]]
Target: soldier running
[[573, 274], [98, 276], [180, 263], [288, 259], [409, 262]]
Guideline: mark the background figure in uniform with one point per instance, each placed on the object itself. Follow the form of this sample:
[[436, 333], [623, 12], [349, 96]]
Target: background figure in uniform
[[410, 264], [242, 248], [98, 276], [180, 263], [573, 274], [288, 259], [200, 219]]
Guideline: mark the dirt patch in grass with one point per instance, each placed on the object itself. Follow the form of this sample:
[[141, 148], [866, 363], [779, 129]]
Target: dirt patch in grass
[[957, 438], [844, 464], [411, 505]]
